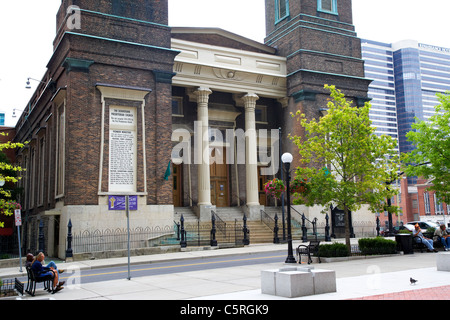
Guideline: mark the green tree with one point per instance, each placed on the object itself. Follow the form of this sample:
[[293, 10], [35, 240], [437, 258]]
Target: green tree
[[9, 176], [344, 162], [432, 141]]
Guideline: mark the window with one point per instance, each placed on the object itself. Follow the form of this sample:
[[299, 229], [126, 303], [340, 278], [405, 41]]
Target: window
[[177, 106], [41, 169], [426, 198], [60, 153], [261, 114], [281, 9], [438, 205], [328, 6]]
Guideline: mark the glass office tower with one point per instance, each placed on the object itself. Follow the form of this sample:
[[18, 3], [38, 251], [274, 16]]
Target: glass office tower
[[407, 75], [379, 66]]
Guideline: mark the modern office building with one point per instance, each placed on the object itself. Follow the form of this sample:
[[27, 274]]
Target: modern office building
[[407, 76], [379, 66]]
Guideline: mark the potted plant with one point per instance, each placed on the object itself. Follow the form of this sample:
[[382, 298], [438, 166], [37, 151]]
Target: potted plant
[[274, 188]]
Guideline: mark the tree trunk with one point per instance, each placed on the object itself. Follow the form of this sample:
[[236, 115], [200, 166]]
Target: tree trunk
[[347, 229]]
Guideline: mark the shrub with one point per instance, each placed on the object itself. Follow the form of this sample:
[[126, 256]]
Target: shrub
[[333, 250], [378, 245]]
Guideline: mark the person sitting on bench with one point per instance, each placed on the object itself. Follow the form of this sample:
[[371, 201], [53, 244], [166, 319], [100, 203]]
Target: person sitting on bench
[[40, 271], [51, 265], [443, 235], [417, 232]]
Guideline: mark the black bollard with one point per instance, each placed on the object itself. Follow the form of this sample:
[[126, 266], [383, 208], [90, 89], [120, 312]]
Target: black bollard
[[69, 251], [183, 242], [275, 230], [246, 231], [213, 230]]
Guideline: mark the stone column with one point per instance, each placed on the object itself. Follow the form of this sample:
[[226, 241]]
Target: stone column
[[251, 165], [204, 181]]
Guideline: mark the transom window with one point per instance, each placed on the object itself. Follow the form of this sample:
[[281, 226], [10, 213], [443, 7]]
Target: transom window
[[281, 9], [328, 6]]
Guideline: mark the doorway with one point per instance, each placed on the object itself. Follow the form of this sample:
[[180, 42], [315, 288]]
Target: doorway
[[219, 179], [177, 185]]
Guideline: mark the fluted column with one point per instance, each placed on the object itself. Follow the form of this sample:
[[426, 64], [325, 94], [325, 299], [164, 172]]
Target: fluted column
[[251, 150], [204, 181]]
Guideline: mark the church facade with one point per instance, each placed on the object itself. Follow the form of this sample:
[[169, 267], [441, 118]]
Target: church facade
[[175, 117]]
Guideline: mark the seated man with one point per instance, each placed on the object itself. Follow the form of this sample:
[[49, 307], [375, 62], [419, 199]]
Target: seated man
[[51, 265], [417, 232], [442, 233], [40, 271]]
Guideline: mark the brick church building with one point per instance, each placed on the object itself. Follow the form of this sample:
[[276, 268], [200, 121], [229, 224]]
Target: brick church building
[[123, 89]]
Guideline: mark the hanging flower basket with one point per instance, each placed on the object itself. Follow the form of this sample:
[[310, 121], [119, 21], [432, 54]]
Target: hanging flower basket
[[7, 207], [274, 188], [300, 186]]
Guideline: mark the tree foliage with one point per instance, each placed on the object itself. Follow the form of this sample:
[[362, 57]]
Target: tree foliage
[[344, 162], [432, 141]]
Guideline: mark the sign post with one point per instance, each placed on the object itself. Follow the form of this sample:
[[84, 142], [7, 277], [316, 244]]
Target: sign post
[[127, 202], [18, 219]]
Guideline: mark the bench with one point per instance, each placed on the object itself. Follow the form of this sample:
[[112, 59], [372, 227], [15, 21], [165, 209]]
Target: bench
[[32, 281], [311, 249], [419, 245]]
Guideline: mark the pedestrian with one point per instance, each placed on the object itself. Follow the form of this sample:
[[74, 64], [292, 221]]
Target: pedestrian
[[443, 235], [419, 237], [40, 272]]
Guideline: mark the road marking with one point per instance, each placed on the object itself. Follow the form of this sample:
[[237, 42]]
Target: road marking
[[177, 266]]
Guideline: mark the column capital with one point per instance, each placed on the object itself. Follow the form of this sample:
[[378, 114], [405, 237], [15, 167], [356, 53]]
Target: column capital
[[199, 94], [203, 94], [245, 100], [250, 97]]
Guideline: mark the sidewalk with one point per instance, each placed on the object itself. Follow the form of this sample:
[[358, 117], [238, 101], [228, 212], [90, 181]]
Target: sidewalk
[[370, 278]]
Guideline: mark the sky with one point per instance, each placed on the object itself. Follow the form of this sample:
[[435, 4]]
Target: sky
[[28, 27]]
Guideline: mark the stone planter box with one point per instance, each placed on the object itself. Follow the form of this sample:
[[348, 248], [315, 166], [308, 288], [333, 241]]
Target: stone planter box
[[293, 282]]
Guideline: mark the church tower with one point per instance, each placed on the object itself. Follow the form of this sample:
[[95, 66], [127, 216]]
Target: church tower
[[321, 46], [103, 114]]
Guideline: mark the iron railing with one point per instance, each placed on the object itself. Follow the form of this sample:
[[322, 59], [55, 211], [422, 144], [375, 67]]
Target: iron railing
[[88, 241]]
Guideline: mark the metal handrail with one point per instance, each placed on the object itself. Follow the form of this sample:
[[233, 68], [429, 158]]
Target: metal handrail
[[220, 224], [267, 220]]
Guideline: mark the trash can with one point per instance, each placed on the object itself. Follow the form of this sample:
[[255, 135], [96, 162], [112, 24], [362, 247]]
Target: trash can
[[404, 243]]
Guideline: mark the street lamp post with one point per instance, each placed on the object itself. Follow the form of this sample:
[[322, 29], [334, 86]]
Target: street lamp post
[[287, 160]]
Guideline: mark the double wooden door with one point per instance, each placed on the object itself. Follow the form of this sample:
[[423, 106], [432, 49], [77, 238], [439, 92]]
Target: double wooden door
[[219, 179]]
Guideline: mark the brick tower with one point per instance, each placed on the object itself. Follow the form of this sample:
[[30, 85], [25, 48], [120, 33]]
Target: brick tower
[[321, 46], [100, 121]]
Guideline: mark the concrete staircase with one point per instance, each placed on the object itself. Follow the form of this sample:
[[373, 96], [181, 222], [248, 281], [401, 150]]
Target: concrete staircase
[[187, 212], [232, 216]]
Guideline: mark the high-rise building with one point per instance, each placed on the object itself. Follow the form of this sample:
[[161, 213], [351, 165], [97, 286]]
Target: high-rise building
[[379, 66], [407, 76]]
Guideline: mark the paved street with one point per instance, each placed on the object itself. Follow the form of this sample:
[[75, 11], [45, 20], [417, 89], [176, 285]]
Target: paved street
[[364, 278]]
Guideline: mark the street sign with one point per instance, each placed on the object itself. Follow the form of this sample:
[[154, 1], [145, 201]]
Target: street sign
[[118, 203], [18, 217]]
